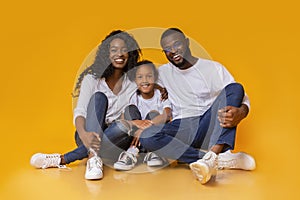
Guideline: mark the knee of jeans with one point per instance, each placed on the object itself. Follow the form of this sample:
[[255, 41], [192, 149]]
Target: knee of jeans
[[237, 87], [131, 108], [152, 114], [100, 96], [131, 112]]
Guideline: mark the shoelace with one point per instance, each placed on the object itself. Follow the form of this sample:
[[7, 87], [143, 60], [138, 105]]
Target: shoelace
[[52, 161], [151, 156], [125, 156], [212, 162], [148, 157], [227, 163], [95, 162]]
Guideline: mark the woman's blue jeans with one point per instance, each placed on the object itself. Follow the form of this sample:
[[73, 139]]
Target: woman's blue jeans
[[114, 138], [182, 139]]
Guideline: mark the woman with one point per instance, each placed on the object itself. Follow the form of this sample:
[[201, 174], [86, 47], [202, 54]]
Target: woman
[[105, 89]]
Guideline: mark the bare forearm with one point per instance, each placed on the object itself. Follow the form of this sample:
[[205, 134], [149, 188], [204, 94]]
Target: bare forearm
[[89, 139], [163, 118], [80, 126], [160, 119]]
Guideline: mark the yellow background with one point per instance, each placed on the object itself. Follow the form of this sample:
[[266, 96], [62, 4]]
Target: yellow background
[[43, 44]]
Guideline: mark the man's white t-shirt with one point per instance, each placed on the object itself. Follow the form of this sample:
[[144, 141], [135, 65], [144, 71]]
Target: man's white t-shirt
[[192, 91]]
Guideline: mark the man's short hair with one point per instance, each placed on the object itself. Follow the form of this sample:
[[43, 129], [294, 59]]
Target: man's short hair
[[170, 31]]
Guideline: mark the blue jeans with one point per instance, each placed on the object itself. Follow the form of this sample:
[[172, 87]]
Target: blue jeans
[[181, 139], [131, 112], [114, 138]]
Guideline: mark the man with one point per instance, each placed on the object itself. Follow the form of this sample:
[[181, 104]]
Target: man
[[208, 106]]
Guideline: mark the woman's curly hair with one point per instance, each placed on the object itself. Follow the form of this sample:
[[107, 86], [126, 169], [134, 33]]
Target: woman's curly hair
[[102, 67]]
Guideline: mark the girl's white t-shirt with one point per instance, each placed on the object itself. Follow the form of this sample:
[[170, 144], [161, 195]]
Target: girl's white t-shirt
[[147, 105]]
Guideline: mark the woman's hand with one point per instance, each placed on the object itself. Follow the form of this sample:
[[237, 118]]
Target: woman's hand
[[91, 140]]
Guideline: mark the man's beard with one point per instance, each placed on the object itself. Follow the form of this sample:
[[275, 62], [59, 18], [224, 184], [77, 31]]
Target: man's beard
[[180, 65]]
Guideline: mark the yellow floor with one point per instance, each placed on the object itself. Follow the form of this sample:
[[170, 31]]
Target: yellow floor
[[43, 44], [173, 182], [276, 175]]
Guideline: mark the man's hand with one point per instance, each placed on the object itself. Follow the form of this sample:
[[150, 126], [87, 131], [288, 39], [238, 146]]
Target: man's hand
[[231, 116], [163, 92]]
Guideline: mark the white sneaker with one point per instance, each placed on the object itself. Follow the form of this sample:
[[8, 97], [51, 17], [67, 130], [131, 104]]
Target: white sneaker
[[94, 167], [205, 168], [41, 160], [240, 160], [154, 160], [126, 161]]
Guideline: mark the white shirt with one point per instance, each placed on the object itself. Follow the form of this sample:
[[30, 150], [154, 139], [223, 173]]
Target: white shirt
[[192, 91], [147, 105], [116, 103]]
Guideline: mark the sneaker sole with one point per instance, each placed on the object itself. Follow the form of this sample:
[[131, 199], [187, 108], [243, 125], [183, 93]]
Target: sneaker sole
[[246, 162], [123, 167], [94, 177], [155, 163], [201, 172]]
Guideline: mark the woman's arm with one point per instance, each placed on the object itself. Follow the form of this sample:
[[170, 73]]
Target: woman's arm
[[89, 139]]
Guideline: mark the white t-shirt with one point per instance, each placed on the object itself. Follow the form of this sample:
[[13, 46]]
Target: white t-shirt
[[147, 105], [116, 103], [192, 91]]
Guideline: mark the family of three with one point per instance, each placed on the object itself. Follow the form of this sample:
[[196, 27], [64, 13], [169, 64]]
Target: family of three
[[187, 110]]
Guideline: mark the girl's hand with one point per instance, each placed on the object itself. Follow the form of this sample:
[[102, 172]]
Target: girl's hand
[[142, 124], [136, 138]]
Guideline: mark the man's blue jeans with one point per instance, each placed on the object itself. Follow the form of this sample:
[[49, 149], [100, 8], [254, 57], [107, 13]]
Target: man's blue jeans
[[181, 139], [114, 138]]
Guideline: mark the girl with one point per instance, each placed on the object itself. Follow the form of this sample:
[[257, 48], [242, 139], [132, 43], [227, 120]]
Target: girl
[[145, 109]]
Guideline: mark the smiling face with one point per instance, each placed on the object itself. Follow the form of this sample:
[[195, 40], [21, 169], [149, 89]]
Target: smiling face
[[145, 79], [118, 53], [176, 49]]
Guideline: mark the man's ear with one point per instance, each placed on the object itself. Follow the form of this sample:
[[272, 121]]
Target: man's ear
[[187, 42]]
